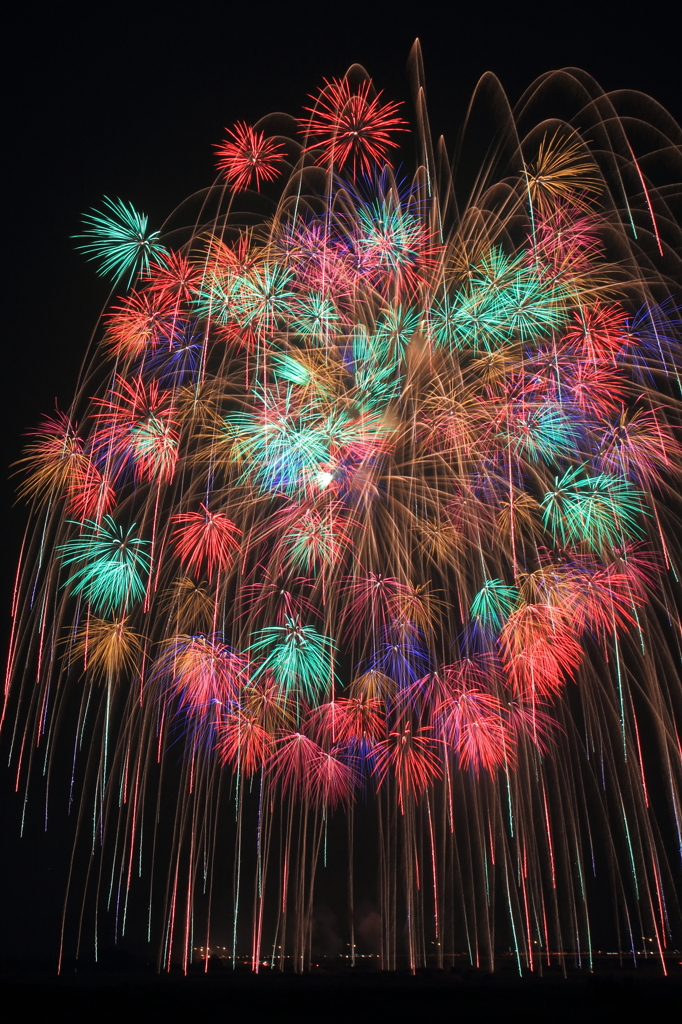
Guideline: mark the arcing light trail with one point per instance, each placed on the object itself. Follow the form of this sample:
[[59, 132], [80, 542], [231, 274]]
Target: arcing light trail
[[370, 500]]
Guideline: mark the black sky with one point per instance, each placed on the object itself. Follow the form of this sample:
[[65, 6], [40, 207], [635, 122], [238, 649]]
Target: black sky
[[126, 99]]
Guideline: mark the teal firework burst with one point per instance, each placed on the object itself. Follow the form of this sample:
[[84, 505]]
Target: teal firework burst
[[284, 449], [492, 604], [443, 322], [215, 300], [260, 298], [542, 432], [300, 659], [289, 368], [112, 564], [598, 510], [121, 242], [376, 370], [396, 327], [504, 301], [280, 449], [314, 317], [475, 322], [530, 307]]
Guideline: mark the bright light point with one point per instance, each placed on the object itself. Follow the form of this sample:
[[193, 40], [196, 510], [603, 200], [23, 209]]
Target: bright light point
[[324, 479]]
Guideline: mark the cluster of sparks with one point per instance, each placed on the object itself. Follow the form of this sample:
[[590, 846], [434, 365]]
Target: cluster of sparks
[[366, 490]]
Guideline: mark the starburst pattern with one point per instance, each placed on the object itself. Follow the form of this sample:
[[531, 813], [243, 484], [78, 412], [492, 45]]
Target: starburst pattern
[[110, 564], [120, 241], [351, 126], [247, 157]]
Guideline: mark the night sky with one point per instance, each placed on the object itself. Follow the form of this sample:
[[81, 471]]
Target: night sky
[[126, 100]]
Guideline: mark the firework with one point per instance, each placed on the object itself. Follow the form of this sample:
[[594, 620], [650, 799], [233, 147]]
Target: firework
[[247, 156], [373, 512]]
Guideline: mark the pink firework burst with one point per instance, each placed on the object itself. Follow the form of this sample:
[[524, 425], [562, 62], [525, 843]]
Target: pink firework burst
[[308, 772], [202, 670], [470, 720]]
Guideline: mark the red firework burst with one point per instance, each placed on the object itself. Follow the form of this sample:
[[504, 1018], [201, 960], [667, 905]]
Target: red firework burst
[[348, 721], [308, 772], [242, 740], [470, 721], [176, 279], [140, 323], [540, 651], [599, 333], [374, 599], [351, 127], [138, 422], [411, 757], [205, 537], [247, 156], [90, 494]]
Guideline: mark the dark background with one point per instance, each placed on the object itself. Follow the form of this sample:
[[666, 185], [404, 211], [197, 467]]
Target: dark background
[[126, 100]]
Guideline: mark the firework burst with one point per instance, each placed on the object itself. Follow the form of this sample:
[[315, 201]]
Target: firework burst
[[372, 512]]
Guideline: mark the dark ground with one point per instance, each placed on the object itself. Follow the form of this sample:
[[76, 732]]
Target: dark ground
[[124, 991]]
